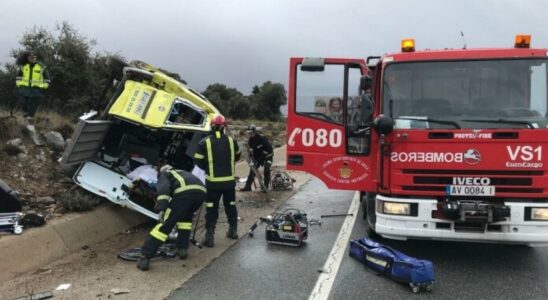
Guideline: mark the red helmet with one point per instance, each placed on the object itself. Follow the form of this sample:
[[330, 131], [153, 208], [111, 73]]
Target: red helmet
[[218, 121]]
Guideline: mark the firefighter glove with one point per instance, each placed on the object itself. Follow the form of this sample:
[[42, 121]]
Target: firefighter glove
[[161, 205], [161, 216]]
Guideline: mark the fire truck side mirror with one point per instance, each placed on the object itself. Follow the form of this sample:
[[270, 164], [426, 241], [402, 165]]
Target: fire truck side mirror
[[365, 83], [383, 125], [366, 108], [313, 64]]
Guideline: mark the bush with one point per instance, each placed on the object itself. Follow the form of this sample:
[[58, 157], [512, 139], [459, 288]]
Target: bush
[[77, 199]]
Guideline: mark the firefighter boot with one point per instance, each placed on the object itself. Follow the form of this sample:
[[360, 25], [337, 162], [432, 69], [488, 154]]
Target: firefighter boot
[[144, 263], [183, 253], [209, 236], [232, 231]]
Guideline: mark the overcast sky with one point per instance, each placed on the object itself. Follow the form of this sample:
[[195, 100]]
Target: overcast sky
[[246, 42]]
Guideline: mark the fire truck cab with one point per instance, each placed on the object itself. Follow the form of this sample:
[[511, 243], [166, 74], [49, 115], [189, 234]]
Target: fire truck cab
[[443, 144]]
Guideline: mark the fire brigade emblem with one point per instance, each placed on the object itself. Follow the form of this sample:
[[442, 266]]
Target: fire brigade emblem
[[345, 171], [472, 157]]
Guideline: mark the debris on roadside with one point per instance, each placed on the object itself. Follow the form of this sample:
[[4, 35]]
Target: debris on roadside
[[33, 219], [314, 222], [336, 215], [37, 296], [418, 273], [63, 287], [118, 291], [42, 271]]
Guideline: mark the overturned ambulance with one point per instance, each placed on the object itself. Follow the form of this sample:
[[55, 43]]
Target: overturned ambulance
[[151, 118]]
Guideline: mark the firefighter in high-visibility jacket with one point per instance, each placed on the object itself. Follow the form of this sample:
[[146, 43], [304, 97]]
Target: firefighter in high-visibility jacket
[[217, 154], [179, 195], [32, 80]]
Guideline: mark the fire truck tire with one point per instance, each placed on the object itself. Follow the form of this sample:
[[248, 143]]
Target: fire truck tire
[[369, 208], [364, 207]]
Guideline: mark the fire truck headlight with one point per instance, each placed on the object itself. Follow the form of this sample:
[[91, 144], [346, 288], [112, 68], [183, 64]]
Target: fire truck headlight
[[539, 214], [396, 208]]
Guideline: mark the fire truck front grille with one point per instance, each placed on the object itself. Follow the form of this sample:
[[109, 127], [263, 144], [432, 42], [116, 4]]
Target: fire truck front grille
[[473, 172], [493, 180]]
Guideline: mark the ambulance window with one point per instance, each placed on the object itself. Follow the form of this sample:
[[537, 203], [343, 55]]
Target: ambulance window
[[320, 94], [183, 114]]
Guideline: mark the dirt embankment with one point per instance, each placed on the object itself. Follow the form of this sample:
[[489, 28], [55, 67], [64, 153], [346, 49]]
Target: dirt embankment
[[30, 169]]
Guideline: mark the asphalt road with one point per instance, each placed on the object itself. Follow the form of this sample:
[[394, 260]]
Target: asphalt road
[[253, 269]]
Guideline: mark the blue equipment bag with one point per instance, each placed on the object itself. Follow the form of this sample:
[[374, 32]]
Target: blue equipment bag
[[398, 266]]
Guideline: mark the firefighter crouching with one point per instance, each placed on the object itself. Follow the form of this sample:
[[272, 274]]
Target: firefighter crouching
[[217, 154], [180, 194]]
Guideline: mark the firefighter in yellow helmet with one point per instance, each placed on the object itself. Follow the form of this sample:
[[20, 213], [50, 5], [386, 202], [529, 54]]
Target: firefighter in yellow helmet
[[32, 80], [179, 195], [217, 154]]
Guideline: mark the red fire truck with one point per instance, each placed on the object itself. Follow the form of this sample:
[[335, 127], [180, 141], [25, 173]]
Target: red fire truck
[[442, 144]]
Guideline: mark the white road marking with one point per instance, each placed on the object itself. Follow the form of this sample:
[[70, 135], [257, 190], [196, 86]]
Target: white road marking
[[329, 272]]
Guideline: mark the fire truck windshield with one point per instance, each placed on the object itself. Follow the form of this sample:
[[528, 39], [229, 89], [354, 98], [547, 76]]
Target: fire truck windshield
[[510, 93]]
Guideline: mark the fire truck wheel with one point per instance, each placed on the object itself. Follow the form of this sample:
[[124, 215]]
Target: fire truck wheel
[[364, 206]]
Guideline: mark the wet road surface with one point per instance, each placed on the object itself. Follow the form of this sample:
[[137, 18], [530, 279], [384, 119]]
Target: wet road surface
[[253, 269]]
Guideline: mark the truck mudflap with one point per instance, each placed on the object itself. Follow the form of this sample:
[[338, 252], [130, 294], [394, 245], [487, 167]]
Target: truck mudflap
[[106, 183], [425, 223]]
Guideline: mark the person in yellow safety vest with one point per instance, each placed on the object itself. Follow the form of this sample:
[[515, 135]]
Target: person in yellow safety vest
[[179, 195], [217, 154], [32, 80]]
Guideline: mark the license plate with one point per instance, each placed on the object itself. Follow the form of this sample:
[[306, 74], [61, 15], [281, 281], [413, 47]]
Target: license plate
[[470, 190]]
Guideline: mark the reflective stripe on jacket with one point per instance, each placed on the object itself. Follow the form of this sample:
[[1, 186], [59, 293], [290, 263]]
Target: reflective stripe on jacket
[[175, 182], [217, 154], [33, 75]]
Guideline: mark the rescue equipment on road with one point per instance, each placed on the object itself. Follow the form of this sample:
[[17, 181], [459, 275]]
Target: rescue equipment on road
[[418, 273], [281, 181], [289, 227]]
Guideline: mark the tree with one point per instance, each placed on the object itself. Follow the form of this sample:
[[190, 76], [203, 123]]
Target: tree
[[8, 98], [267, 100], [229, 101]]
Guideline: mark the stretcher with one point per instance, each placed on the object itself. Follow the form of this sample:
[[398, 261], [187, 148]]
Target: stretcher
[[11, 222]]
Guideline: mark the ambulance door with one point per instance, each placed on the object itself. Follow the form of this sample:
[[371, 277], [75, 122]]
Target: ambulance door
[[327, 135]]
